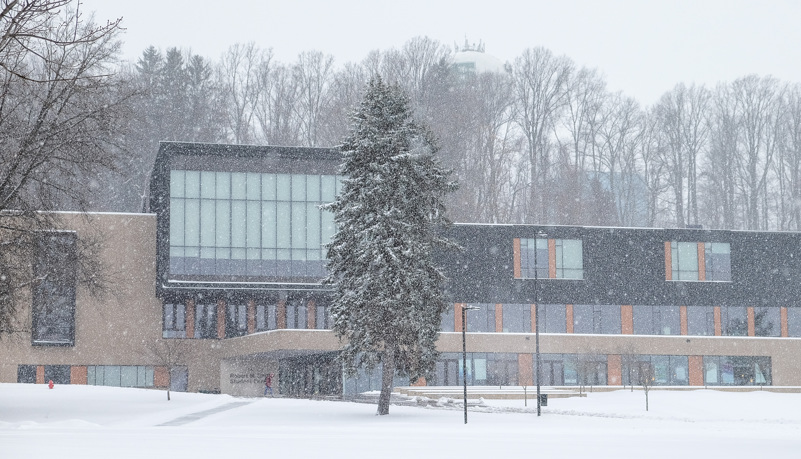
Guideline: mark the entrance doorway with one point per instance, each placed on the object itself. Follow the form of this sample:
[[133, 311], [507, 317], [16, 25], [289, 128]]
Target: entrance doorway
[[316, 375]]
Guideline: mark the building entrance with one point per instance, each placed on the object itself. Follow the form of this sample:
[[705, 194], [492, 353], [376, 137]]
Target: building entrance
[[316, 375]]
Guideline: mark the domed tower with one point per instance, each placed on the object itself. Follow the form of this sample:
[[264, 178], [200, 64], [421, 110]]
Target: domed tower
[[473, 59]]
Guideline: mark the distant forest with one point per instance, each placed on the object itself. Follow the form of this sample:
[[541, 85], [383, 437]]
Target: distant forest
[[542, 141]]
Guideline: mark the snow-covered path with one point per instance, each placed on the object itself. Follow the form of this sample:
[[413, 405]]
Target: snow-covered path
[[89, 422]]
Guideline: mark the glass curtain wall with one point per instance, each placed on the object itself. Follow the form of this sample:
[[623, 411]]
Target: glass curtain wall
[[249, 224]]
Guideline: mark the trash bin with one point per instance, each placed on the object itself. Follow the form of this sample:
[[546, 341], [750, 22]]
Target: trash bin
[[543, 399]]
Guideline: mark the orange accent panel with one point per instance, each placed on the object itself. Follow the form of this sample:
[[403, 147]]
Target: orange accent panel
[[220, 319], [615, 369], [40, 374], [696, 370], [552, 258], [785, 326], [516, 255], [533, 318], [161, 377], [280, 314], [668, 262], [716, 314], [627, 319], [701, 262], [457, 317], [751, 320], [79, 374], [420, 382], [251, 316], [569, 317], [683, 319], [525, 369], [190, 318], [311, 316], [498, 318]]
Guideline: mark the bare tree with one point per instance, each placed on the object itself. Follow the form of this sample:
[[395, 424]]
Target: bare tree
[[312, 72], [168, 353], [61, 112], [645, 375], [540, 82], [238, 78]]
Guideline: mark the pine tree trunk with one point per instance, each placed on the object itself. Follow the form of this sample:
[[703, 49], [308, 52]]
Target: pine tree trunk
[[388, 371]]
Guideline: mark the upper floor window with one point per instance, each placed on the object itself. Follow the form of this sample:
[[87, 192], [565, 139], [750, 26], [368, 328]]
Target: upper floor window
[[54, 290], [698, 261], [549, 258]]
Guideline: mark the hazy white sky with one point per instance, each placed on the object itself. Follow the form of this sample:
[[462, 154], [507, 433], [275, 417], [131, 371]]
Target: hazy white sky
[[643, 47]]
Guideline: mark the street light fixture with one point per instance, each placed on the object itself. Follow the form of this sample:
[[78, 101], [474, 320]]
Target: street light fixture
[[538, 364], [464, 355]]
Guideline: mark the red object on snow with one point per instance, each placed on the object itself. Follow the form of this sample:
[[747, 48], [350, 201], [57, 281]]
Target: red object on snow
[[50, 384]]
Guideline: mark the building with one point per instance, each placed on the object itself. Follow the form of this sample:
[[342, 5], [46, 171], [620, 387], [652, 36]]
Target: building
[[229, 264]]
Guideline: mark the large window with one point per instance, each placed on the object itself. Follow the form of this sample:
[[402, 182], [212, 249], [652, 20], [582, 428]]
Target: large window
[[656, 320], [700, 261], [120, 375], [481, 319], [174, 321], [734, 320], [767, 321], [249, 224], [516, 318], [737, 371], [551, 259], [701, 320], [597, 319], [297, 314], [54, 289], [666, 370]]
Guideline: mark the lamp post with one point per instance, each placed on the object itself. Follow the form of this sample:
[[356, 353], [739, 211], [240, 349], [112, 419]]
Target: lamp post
[[538, 363], [464, 356]]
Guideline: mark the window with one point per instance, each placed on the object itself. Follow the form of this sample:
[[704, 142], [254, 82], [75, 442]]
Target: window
[[54, 290], [205, 321], [596, 319], [481, 319], [297, 314], [698, 261], [249, 224], [120, 376], [656, 320], [174, 321], [734, 320], [265, 317], [767, 321], [794, 322], [550, 259], [516, 318], [555, 318], [666, 370], [701, 320], [737, 371], [448, 321], [322, 319], [236, 320], [26, 374]]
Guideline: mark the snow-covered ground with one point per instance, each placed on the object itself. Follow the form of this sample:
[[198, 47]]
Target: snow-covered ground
[[103, 422]]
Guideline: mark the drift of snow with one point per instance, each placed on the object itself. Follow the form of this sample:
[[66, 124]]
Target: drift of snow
[[88, 422]]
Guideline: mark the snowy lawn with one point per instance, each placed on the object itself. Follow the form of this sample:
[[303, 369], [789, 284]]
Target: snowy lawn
[[95, 422]]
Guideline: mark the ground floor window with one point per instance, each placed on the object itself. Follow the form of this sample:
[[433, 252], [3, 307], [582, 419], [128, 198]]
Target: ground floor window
[[664, 370], [737, 371], [120, 375]]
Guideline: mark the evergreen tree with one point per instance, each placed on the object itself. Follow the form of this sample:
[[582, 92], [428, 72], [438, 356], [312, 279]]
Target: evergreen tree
[[388, 292]]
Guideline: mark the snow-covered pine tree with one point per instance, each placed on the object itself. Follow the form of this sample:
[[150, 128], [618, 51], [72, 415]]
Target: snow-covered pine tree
[[388, 291]]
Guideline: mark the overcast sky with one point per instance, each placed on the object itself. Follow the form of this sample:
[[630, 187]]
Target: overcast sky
[[643, 47]]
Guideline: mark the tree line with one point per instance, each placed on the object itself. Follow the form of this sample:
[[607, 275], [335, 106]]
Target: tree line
[[542, 141]]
